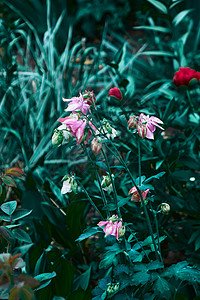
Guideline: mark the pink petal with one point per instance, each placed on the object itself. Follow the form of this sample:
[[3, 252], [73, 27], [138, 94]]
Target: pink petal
[[102, 223], [149, 134]]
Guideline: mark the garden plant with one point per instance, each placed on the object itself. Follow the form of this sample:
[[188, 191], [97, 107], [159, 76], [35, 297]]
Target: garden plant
[[100, 130]]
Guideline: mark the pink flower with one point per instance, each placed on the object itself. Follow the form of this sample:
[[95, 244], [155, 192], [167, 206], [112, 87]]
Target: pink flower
[[96, 145], [146, 126], [77, 103], [115, 92], [135, 195], [76, 123], [113, 226]]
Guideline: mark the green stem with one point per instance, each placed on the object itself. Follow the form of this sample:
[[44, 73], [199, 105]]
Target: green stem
[[157, 230], [139, 158], [97, 175], [112, 181], [134, 236], [90, 199], [142, 200]]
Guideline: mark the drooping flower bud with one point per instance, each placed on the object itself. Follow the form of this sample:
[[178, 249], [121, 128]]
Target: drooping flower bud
[[165, 208], [142, 130], [96, 145], [69, 184], [132, 122], [121, 232], [107, 183], [57, 137], [89, 97], [115, 92]]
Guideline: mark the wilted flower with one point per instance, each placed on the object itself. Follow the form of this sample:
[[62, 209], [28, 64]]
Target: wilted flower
[[107, 183], [184, 76], [146, 126], [96, 145], [76, 124], [135, 195], [69, 184], [165, 207], [113, 226], [115, 92]]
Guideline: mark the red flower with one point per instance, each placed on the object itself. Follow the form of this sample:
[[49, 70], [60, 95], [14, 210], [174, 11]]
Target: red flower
[[115, 92], [184, 76]]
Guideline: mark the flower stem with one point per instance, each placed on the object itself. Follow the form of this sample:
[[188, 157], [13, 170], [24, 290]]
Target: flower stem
[[142, 200], [89, 198], [113, 184], [139, 159]]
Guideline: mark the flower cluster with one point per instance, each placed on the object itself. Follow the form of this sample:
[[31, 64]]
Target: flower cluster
[[113, 227], [184, 76], [145, 125]]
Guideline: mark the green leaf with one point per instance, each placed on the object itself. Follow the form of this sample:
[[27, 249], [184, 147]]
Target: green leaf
[[140, 278], [102, 165], [180, 17], [83, 280], [22, 235], [7, 234], [8, 181], [45, 276], [87, 233], [20, 213], [9, 207], [110, 207], [153, 28], [159, 5], [157, 176], [161, 287], [17, 172], [158, 53]]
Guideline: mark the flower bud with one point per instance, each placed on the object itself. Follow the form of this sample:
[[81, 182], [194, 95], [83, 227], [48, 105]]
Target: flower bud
[[132, 122], [69, 185], [115, 92], [89, 97], [142, 130], [96, 145], [107, 183], [165, 208], [57, 137], [121, 232]]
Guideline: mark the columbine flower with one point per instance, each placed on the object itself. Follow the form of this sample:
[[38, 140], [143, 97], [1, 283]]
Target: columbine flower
[[113, 226], [76, 124], [69, 184], [184, 76], [77, 104], [146, 126], [135, 195], [115, 92], [107, 183], [96, 145]]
